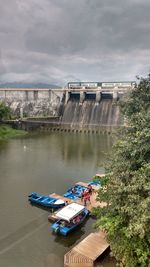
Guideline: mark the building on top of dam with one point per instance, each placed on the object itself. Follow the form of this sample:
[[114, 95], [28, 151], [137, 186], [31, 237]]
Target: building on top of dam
[[96, 85], [97, 90]]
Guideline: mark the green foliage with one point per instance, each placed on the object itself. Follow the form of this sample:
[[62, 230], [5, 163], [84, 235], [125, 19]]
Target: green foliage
[[102, 179], [7, 132], [138, 100], [5, 111], [126, 218]]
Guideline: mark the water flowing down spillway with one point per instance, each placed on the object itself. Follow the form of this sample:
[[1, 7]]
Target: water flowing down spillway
[[91, 114]]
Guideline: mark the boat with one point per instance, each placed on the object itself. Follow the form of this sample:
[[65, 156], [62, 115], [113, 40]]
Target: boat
[[69, 218], [46, 201], [75, 192], [96, 183]]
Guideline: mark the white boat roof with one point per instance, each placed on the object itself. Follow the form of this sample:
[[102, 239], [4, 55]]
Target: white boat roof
[[70, 211]]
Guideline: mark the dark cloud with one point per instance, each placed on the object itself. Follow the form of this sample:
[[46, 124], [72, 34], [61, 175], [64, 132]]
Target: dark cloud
[[56, 41]]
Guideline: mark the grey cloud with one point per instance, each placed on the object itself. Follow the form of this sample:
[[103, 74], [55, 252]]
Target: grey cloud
[[87, 27], [55, 40]]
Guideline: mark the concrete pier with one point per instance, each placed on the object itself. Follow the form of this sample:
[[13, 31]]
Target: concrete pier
[[115, 94], [98, 96], [67, 95], [82, 97]]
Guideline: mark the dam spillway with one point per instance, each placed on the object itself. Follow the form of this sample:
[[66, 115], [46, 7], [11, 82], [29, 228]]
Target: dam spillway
[[93, 105], [91, 114]]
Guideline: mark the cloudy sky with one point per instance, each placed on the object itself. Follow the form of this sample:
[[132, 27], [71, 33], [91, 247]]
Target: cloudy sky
[[56, 41]]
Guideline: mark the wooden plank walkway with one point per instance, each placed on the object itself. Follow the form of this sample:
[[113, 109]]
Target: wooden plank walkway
[[87, 251]]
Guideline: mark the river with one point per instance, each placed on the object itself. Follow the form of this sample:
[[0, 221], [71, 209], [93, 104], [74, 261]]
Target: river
[[45, 164]]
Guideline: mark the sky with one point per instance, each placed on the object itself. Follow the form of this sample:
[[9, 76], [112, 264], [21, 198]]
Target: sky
[[57, 41]]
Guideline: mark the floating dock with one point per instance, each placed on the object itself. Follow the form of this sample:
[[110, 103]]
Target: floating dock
[[92, 204], [87, 251]]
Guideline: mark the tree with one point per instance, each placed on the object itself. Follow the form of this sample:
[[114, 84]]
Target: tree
[[5, 111], [126, 218]]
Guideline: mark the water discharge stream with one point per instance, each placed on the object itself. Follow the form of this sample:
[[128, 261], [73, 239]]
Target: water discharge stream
[[89, 113]]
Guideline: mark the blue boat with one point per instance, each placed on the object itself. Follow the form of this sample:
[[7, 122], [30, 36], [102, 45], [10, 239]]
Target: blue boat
[[96, 183], [69, 218], [75, 192], [45, 201]]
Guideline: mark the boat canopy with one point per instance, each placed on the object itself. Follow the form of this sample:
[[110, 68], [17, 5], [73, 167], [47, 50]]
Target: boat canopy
[[70, 211]]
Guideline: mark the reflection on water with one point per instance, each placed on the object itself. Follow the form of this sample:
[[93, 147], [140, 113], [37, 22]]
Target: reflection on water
[[85, 149], [73, 237], [45, 164]]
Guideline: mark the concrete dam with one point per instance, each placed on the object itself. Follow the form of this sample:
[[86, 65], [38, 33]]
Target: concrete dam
[[79, 106], [91, 114]]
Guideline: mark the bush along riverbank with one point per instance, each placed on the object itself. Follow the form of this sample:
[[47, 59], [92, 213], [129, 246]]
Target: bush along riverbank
[[6, 132], [126, 218]]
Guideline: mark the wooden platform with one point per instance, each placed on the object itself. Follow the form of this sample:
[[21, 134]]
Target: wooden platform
[[87, 251], [100, 175], [93, 203]]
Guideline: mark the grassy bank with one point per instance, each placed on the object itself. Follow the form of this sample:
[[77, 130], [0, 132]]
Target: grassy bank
[[7, 132]]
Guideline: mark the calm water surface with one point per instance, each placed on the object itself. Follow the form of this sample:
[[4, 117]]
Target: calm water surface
[[45, 164]]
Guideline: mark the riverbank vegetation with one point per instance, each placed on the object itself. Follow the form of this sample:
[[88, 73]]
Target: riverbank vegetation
[[5, 112], [126, 218], [6, 131]]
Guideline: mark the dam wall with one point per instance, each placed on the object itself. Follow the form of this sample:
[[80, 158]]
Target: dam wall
[[79, 106], [27, 102]]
